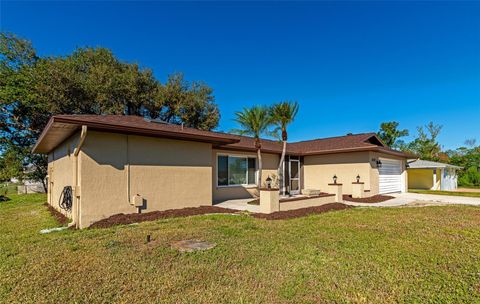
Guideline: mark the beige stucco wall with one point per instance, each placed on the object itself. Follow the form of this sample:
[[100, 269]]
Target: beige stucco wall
[[269, 163], [168, 174], [60, 171], [306, 203], [320, 169]]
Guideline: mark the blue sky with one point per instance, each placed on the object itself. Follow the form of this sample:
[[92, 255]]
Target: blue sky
[[351, 65]]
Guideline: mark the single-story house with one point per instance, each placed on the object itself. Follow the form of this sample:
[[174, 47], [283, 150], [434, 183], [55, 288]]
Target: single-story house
[[110, 161], [430, 175]]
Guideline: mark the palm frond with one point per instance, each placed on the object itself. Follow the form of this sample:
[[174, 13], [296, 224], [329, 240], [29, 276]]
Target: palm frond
[[283, 113], [253, 121], [239, 132]]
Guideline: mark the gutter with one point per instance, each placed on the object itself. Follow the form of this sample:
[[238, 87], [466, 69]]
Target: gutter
[[76, 186], [140, 130]]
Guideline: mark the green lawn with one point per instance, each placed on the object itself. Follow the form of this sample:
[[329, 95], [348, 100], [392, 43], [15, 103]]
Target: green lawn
[[454, 193], [361, 255], [8, 188]]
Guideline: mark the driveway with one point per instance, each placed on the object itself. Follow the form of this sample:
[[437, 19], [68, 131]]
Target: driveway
[[407, 198]]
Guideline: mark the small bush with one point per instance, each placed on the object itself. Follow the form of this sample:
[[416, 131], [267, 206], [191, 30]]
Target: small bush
[[471, 177]]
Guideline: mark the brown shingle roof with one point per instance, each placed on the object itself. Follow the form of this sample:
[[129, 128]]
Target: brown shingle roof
[[354, 141], [338, 144], [61, 127], [248, 144]]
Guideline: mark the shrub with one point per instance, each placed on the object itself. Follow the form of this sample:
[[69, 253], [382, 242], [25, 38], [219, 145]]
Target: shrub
[[471, 177]]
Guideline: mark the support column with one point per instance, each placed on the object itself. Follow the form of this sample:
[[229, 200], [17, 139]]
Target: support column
[[358, 189], [442, 175], [434, 179], [269, 200], [336, 189]]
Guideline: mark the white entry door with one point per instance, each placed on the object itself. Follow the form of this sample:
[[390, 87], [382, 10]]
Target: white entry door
[[390, 176]]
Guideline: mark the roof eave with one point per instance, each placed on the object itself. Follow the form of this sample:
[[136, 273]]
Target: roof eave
[[395, 152], [105, 127], [247, 149], [332, 151]]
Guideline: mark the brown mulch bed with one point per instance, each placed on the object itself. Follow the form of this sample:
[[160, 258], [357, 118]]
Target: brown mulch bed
[[282, 215], [125, 219], [371, 200], [62, 219]]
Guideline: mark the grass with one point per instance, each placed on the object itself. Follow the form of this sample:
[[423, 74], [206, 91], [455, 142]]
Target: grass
[[360, 255], [438, 192], [8, 188]]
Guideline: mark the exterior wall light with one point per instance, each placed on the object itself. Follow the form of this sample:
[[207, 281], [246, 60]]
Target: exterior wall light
[[268, 181], [379, 163], [358, 178], [335, 179]]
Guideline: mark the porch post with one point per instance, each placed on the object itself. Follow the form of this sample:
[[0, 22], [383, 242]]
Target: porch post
[[434, 179], [269, 200], [358, 189], [442, 180], [336, 189]]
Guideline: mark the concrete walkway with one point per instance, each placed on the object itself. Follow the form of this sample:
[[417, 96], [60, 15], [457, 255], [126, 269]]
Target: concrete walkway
[[402, 199], [239, 204]]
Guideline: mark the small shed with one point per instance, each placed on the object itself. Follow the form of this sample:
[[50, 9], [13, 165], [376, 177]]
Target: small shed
[[430, 175]]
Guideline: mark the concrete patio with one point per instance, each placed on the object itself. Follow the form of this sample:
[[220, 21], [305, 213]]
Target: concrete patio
[[400, 199], [239, 204], [242, 204]]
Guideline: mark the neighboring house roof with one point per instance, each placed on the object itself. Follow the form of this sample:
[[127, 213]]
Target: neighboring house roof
[[426, 164], [61, 127]]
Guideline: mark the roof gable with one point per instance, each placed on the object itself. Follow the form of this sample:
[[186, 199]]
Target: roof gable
[[375, 140]]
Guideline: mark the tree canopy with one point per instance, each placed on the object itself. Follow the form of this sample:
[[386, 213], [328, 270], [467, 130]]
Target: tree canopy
[[390, 134], [467, 157], [426, 144], [88, 81]]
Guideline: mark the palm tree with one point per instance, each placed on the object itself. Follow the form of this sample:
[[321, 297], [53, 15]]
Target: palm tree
[[254, 122], [282, 114]]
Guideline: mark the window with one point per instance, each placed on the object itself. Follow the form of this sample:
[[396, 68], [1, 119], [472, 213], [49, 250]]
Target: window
[[235, 170]]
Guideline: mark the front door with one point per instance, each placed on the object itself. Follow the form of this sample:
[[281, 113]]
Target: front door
[[294, 170]]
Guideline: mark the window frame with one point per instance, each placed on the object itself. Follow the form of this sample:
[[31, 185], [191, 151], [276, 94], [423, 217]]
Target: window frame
[[245, 156]]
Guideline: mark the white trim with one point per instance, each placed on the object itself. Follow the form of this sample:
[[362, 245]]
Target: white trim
[[246, 156], [295, 178]]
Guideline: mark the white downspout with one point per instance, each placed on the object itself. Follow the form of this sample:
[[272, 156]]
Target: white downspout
[[76, 186]]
